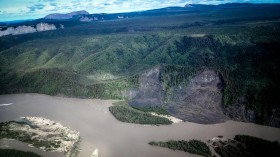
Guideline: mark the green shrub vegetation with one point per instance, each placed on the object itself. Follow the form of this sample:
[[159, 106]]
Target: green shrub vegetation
[[241, 146], [232, 151], [120, 103], [157, 110], [248, 146], [23, 136], [130, 115], [16, 153], [192, 146], [64, 61], [258, 147]]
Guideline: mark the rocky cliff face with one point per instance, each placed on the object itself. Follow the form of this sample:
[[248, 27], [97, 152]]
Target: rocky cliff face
[[18, 30], [23, 30], [86, 19], [240, 112], [8, 31], [27, 29], [200, 101], [151, 92], [274, 118], [45, 27]]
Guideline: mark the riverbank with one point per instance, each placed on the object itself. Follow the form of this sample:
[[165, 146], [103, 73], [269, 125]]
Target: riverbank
[[100, 130], [41, 133]]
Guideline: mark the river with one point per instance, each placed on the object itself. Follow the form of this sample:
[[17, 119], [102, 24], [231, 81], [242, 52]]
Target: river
[[99, 129]]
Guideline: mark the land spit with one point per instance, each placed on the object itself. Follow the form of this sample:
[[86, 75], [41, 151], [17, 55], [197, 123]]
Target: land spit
[[42, 133]]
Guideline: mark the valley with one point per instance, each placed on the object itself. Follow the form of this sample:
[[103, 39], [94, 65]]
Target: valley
[[197, 79]]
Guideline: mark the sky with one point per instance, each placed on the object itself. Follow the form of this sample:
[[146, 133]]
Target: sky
[[32, 9]]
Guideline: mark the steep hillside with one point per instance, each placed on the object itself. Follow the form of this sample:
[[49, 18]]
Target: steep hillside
[[156, 61]]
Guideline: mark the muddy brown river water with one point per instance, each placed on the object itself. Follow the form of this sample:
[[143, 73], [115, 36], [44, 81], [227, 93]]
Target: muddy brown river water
[[99, 129]]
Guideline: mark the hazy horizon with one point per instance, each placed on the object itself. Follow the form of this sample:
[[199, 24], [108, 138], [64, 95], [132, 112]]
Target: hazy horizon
[[12, 10]]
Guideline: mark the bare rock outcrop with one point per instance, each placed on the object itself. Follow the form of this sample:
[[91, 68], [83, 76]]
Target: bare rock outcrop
[[239, 112], [8, 31], [200, 101], [86, 19], [27, 29], [23, 30], [18, 30], [151, 92], [45, 27]]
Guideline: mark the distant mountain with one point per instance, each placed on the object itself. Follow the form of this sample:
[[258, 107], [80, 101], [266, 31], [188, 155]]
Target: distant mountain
[[229, 5], [74, 18], [188, 5], [59, 16]]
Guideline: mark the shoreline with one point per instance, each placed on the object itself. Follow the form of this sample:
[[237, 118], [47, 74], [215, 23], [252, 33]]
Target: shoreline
[[174, 120], [103, 131], [18, 145]]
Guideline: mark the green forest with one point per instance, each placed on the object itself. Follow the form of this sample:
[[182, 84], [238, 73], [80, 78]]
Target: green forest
[[106, 59], [248, 146], [192, 146], [240, 146], [125, 113], [16, 153]]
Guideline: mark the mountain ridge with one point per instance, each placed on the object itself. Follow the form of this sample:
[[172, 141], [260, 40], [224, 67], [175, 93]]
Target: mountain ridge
[[59, 16], [85, 16], [107, 59]]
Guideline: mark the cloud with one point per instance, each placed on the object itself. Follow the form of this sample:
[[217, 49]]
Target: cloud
[[36, 7], [3, 12], [53, 4], [47, 0], [30, 9]]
